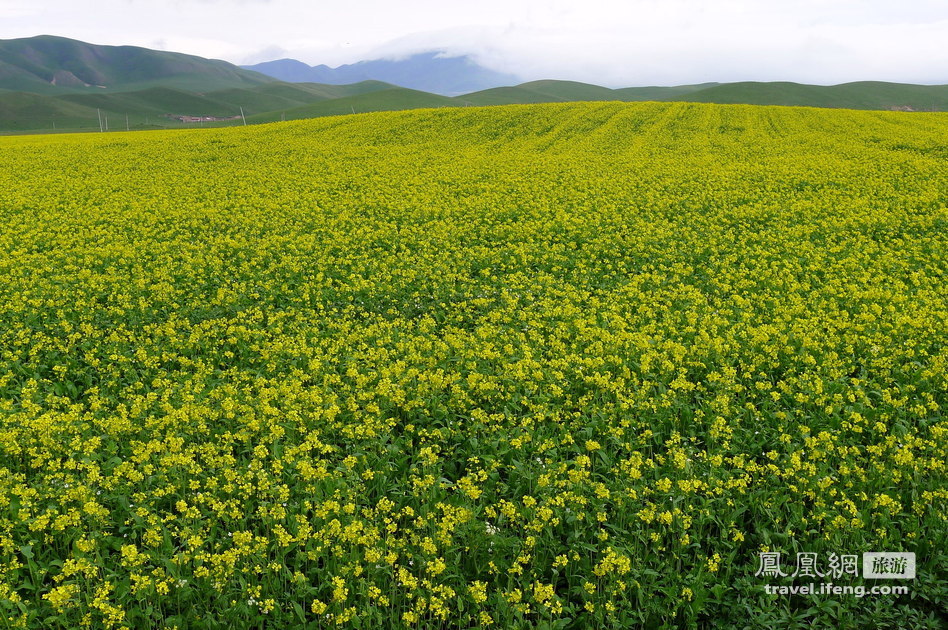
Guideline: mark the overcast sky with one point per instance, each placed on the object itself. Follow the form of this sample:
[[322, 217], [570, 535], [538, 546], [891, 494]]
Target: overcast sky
[[615, 43]]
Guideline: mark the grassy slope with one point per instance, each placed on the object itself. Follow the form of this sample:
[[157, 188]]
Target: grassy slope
[[155, 101], [281, 96], [20, 111], [390, 99], [563, 91], [657, 93], [859, 95], [541, 92]]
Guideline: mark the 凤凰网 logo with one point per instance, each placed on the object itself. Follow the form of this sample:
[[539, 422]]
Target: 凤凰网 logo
[[876, 565]]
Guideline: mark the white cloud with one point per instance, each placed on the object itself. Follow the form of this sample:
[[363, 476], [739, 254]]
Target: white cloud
[[14, 10]]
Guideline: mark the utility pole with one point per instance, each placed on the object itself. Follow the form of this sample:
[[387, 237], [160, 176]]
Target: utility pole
[[242, 117], [99, 112]]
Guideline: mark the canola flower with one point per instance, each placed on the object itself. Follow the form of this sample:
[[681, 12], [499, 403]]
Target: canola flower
[[527, 366]]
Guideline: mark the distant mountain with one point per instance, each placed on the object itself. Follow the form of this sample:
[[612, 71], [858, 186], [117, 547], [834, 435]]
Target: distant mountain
[[428, 72], [56, 65]]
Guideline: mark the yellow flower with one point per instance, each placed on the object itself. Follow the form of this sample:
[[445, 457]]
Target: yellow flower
[[478, 591]]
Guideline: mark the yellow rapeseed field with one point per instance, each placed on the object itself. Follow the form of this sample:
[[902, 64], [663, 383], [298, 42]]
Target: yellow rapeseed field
[[552, 366]]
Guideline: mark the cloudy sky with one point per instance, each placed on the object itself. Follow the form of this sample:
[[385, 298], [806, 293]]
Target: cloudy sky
[[610, 42]]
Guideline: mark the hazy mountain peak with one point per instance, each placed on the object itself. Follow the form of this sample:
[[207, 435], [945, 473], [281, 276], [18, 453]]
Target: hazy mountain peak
[[429, 71]]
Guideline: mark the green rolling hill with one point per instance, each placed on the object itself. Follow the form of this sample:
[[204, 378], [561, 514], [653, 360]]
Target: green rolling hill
[[80, 112], [56, 84], [550, 91], [22, 111], [158, 107], [284, 96], [656, 93], [859, 95], [547, 91], [57, 65], [154, 101], [389, 99], [163, 106]]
